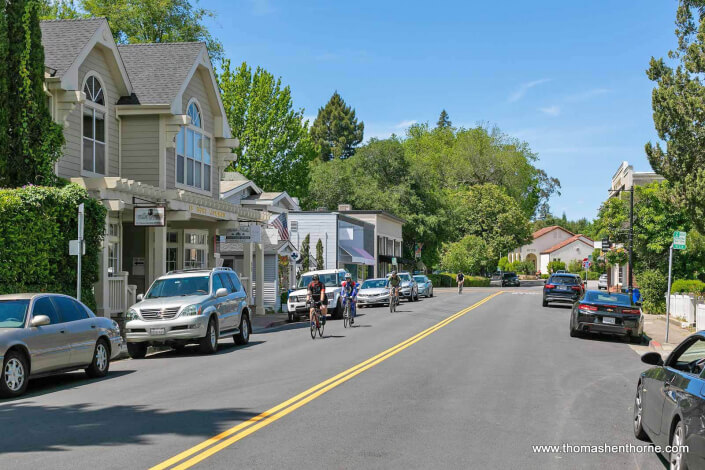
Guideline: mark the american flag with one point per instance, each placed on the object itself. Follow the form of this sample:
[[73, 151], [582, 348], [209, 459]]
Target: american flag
[[280, 223]]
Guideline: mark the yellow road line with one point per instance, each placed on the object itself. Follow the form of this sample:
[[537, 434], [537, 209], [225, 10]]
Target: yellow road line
[[253, 424]]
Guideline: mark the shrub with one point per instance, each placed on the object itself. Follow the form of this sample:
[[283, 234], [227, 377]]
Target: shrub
[[653, 285], [593, 276], [556, 265], [545, 276], [36, 224], [688, 286], [448, 280], [575, 266]]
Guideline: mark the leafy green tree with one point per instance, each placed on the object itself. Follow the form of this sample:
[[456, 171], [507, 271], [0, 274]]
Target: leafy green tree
[[678, 102], [336, 131], [469, 255], [34, 141], [319, 255], [141, 21], [4, 98], [59, 10], [306, 253], [555, 265], [503, 264], [444, 121], [275, 146]]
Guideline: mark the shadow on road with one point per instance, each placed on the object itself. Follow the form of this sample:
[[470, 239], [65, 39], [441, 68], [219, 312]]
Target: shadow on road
[[59, 428], [191, 351], [67, 381]]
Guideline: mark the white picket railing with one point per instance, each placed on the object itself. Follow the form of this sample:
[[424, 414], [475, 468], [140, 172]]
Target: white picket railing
[[700, 315], [120, 295]]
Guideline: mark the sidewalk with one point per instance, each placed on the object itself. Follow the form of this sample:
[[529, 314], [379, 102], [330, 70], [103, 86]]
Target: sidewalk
[[270, 320], [655, 330]]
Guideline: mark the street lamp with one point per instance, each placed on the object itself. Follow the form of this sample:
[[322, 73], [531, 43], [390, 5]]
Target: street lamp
[[631, 231]]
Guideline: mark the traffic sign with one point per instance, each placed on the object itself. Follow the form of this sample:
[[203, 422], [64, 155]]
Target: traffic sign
[[679, 240], [606, 244], [586, 265]]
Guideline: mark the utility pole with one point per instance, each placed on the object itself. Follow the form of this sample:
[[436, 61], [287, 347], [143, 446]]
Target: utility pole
[[668, 294], [631, 239]]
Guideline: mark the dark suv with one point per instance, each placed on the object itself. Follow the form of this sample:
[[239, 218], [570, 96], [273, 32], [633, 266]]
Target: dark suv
[[504, 279], [562, 288]]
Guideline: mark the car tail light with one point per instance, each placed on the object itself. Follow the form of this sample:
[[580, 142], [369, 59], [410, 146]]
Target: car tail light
[[590, 308], [632, 311], [550, 286], [577, 288]]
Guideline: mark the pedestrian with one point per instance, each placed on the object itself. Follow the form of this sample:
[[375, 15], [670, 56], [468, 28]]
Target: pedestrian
[[460, 279]]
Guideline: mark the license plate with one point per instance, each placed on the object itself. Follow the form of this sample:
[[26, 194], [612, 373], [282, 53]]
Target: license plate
[[562, 287], [157, 331], [608, 320]]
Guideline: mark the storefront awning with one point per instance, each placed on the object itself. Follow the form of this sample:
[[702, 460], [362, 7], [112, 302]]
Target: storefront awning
[[358, 255]]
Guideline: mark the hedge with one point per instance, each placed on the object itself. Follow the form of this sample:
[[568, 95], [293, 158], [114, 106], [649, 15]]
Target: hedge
[[448, 280], [652, 286], [688, 286], [36, 224]]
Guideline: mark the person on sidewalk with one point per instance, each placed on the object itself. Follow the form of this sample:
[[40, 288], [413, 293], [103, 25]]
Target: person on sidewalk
[[460, 279], [349, 290]]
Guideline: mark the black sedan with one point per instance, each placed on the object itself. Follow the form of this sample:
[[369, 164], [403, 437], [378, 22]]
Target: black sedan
[[669, 408], [562, 288], [501, 279], [602, 312]]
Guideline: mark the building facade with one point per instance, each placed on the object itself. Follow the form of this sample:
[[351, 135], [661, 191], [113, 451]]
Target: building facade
[[147, 135], [553, 244]]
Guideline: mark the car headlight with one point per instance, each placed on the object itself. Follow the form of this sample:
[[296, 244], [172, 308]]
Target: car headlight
[[116, 327], [191, 310], [132, 315]]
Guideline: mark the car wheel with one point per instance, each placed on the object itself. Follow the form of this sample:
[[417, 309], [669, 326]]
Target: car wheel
[[639, 414], [209, 343], [635, 339], [137, 350], [338, 312], [101, 360], [545, 303], [677, 457], [290, 317], [244, 336], [14, 375], [431, 293]]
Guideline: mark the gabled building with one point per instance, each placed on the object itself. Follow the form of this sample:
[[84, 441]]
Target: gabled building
[[147, 135], [553, 244]]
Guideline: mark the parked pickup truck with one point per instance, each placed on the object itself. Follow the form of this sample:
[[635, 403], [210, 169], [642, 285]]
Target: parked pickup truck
[[333, 280]]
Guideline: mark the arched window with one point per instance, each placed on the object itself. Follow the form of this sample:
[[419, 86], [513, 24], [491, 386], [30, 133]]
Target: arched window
[[193, 152], [94, 126]]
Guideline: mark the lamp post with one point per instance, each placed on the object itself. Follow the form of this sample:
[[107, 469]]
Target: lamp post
[[631, 232]]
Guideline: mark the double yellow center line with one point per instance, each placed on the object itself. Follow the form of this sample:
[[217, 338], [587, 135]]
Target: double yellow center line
[[226, 438]]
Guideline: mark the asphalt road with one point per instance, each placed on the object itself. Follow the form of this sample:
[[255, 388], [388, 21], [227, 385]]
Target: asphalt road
[[477, 391]]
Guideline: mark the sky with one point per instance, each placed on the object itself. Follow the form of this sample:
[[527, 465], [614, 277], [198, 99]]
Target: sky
[[567, 77]]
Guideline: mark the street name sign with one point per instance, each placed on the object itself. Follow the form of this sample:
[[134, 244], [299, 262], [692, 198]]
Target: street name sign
[[606, 244], [679, 240]]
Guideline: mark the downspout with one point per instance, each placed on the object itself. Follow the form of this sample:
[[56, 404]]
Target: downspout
[[119, 120]]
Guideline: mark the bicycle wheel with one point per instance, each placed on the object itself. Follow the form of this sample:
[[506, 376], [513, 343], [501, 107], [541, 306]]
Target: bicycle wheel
[[346, 315], [313, 328], [321, 327]]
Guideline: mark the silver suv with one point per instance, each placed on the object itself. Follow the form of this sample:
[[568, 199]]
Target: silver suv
[[189, 306]]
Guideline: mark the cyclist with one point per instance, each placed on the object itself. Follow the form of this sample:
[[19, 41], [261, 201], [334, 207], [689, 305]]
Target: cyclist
[[394, 283], [317, 295], [460, 279], [350, 289]]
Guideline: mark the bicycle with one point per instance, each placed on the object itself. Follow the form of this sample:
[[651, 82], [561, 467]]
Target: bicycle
[[347, 312], [393, 300], [460, 288], [318, 323]]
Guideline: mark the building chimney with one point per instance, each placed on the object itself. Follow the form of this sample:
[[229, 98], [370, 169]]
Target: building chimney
[[344, 207]]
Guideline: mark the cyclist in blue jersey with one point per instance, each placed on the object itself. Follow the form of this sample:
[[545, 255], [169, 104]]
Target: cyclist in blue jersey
[[350, 289]]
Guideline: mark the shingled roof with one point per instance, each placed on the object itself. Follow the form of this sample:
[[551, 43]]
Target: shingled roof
[[545, 230], [63, 41], [157, 71], [568, 241]]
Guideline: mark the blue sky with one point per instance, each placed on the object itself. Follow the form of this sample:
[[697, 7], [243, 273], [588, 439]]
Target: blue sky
[[567, 77]]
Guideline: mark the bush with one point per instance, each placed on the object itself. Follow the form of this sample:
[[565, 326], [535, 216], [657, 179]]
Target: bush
[[593, 276], [36, 224], [545, 276], [448, 280], [556, 265], [688, 286], [575, 266], [653, 285]]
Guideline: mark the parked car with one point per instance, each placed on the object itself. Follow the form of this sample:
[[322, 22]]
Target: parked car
[[425, 285], [373, 292], [669, 402], [193, 306], [409, 289], [504, 279], [566, 288], [44, 334], [602, 312], [333, 280], [602, 282]]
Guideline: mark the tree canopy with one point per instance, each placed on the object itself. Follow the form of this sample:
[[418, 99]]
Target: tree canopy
[[275, 147], [336, 131]]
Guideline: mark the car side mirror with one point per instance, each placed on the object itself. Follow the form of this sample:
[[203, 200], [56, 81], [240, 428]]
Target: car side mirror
[[41, 320], [222, 292], [652, 358], [140, 297]]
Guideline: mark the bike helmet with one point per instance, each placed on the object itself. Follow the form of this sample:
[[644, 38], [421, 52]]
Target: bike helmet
[[348, 276], [315, 277], [394, 273]]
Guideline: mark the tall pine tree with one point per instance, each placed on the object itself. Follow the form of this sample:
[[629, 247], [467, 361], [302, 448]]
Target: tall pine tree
[[34, 140], [336, 131], [444, 120], [306, 253], [319, 255]]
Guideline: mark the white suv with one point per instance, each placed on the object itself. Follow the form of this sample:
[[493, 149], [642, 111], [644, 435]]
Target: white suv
[[189, 306], [333, 280]]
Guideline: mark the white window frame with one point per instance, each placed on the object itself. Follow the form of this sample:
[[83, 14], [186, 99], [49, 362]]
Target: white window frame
[[114, 238], [195, 246], [204, 136], [95, 107], [175, 246]]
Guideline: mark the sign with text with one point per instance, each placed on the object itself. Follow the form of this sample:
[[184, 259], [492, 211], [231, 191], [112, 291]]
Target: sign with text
[[679, 240], [245, 234], [606, 244], [150, 216]]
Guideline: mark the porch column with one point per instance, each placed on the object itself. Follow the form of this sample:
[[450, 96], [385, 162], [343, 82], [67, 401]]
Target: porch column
[[102, 287], [247, 270], [259, 281], [212, 233], [156, 249]]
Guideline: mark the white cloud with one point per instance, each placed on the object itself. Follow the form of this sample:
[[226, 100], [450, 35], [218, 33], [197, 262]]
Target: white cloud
[[524, 87], [551, 110], [262, 7], [405, 124]]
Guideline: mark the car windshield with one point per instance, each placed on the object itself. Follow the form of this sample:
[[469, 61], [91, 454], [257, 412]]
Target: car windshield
[[564, 280], [13, 313], [374, 284], [420, 278], [405, 277], [616, 299], [509, 275], [329, 280], [178, 287]]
